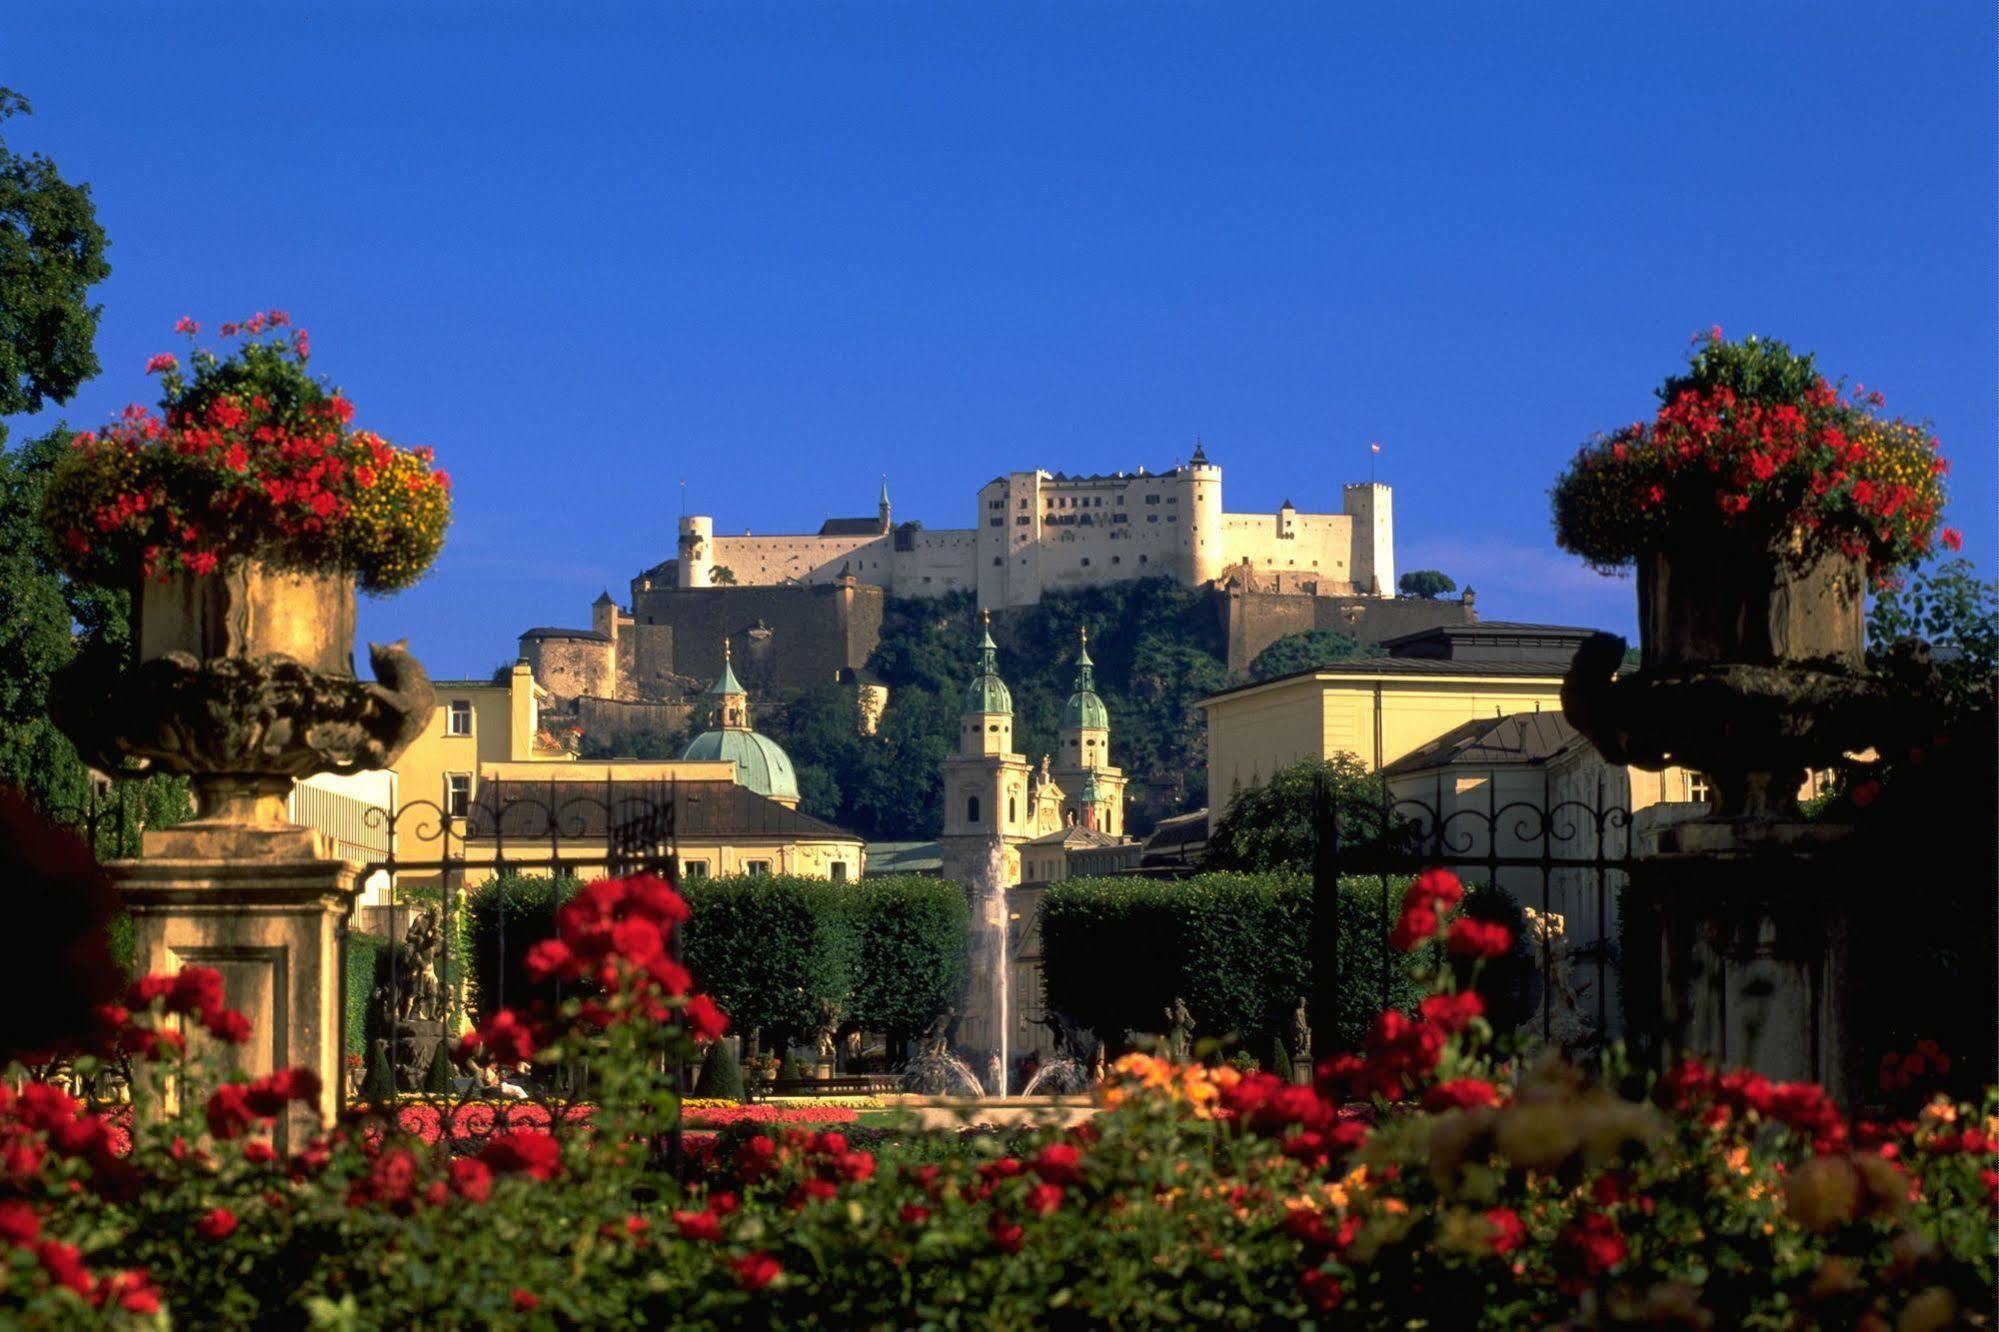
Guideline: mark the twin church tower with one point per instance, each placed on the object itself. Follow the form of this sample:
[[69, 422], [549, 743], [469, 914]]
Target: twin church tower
[[996, 802]]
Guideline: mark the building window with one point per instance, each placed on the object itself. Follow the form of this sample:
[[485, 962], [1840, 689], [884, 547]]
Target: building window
[[756, 868], [839, 871], [994, 523], [998, 560], [1120, 498], [971, 809], [1086, 560], [693, 869], [1152, 499], [1012, 811], [458, 717], [457, 794], [1117, 559], [1141, 559], [1698, 788]]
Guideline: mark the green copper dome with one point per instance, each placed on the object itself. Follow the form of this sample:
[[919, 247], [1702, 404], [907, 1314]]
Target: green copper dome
[[761, 764], [987, 692], [1084, 708]]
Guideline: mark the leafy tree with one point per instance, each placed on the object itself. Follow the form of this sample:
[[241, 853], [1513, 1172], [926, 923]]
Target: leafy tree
[[774, 950], [1303, 652], [635, 743], [722, 576], [51, 254], [909, 953], [1428, 584], [1269, 827], [1947, 606]]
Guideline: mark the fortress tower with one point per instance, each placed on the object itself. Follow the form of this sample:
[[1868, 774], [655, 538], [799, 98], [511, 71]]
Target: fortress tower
[[1371, 505], [697, 552]]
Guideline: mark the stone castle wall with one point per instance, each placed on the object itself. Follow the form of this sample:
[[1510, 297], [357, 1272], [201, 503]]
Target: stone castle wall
[[781, 637], [1252, 621], [571, 666]]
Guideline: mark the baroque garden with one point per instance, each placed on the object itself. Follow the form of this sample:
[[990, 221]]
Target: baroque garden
[[1116, 911]]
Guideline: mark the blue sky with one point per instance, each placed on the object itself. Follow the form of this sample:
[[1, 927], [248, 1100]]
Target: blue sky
[[589, 251]]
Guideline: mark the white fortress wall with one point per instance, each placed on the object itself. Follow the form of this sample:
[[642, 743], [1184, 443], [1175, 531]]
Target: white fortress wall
[[938, 562], [761, 561], [1293, 543]]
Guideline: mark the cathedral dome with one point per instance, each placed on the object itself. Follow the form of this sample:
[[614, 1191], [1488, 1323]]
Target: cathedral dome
[[761, 763]]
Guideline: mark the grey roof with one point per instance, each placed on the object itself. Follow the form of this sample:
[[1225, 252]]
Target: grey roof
[[523, 808], [852, 527], [1074, 836], [905, 857], [604, 598], [1412, 666], [546, 632], [1179, 831], [1518, 737]]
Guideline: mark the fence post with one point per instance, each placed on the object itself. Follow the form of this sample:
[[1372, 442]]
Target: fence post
[[1324, 934]]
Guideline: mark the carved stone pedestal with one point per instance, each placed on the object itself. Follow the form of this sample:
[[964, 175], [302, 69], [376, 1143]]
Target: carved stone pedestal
[[1747, 928], [270, 924]]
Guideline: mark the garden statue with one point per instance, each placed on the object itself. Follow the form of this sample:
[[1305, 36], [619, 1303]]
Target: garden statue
[[1301, 1039], [1179, 1032], [408, 1007], [825, 1045]]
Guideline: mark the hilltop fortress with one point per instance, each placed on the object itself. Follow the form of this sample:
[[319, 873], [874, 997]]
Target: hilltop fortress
[[803, 609], [1039, 532]]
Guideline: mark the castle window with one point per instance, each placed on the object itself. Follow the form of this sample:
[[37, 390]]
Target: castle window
[[998, 560], [1172, 517], [1086, 561], [1117, 559], [458, 717], [1012, 810], [1021, 521], [1152, 499], [971, 809], [1120, 498], [1151, 517], [994, 523], [1172, 499], [1141, 559]]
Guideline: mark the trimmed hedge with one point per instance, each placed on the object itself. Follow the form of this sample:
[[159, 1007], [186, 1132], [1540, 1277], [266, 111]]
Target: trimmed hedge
[[520, 907], [364, 963], [1117, 951], [887, 954]]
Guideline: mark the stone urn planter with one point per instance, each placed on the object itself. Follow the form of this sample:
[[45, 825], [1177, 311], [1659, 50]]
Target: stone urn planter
[[243, 680], [1751, 672]]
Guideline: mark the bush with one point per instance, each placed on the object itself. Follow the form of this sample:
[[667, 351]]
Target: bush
[[909, 955], [1116, 952], [721, 1076], [519, 909], [776, 951], [364, 962]]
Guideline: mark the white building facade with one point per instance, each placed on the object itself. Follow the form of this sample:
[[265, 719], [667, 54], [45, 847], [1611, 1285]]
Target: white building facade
[[1038, 531]]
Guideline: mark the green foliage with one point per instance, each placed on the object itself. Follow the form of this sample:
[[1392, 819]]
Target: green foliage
[[1303, 652], [1948, 606], [364, 962], [775, 951], [1280, 1059], [1428, 584], [634, 743], [1269, 827], [51, 254], [378, 1085], [721, 1077], [504, 917], [1117, 951], [909, 951], [1759, 369], [437, 1073]]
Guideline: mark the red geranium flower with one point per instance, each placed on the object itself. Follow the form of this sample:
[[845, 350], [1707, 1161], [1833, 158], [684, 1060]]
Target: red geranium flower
[[1478, 938], [754, 1271], [218, 1224]]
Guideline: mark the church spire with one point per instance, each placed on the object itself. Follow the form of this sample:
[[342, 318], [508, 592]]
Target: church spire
[[732, 701], [988, 693], [882, 506]]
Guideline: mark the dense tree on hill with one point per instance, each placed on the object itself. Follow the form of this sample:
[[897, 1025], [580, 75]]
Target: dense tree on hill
[[51, 253], [1426, 583], [1304, 652]]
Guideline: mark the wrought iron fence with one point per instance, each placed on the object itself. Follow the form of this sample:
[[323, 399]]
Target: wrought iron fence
[[415, 908], [1563, 860]]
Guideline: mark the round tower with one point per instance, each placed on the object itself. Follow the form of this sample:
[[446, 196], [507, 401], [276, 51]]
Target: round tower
[[1201, 497], [697, 552]]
